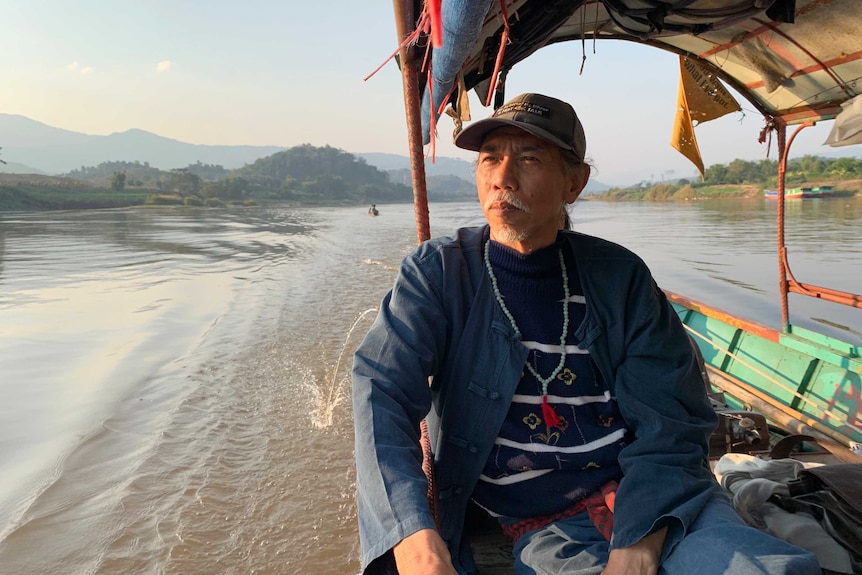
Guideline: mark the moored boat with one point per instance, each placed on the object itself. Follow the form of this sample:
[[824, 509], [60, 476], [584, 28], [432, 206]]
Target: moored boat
[[792, 194], [818, 192], [800, 193]]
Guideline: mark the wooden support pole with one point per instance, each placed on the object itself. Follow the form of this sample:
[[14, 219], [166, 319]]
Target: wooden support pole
[[405, 23]]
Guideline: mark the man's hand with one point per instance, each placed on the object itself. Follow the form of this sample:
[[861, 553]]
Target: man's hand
[[423, 553], [638, 559]]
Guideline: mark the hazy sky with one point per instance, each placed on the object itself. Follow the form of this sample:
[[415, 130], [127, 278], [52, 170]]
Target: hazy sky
[[291, 71]]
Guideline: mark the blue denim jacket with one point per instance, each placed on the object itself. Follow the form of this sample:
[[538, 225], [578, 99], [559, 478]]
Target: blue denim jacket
[[440, 321]]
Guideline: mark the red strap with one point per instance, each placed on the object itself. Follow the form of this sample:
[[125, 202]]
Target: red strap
[[433, 9]]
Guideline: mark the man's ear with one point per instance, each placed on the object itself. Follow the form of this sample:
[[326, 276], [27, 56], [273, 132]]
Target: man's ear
[[579, 181]]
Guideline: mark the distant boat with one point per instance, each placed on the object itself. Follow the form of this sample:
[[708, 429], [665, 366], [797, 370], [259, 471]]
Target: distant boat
[[820, 192], [372, 211], [791, 194], [800, 193]]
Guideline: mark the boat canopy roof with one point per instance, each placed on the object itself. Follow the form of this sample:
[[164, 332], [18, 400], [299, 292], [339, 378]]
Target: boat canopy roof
[[794, 60]]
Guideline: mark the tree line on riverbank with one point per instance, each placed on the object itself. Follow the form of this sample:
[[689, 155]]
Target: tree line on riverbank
[[310, 175], [741, 178], [306, 175]]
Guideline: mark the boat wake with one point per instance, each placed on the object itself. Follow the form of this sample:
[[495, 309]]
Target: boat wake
[[326, 400], [379, 263]]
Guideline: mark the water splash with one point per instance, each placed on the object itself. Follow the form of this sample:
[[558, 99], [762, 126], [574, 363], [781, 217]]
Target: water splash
[[326, 403]]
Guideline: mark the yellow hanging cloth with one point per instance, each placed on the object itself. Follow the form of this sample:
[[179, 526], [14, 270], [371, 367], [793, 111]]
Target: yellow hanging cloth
[[701, 98]]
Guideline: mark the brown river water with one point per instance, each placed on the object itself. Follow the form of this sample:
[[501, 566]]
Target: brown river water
[[174, 383]]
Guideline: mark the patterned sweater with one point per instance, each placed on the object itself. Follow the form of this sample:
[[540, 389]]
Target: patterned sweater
[[536, 469]]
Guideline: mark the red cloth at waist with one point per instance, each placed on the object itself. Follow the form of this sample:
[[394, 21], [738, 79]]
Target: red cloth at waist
[[599, 504]]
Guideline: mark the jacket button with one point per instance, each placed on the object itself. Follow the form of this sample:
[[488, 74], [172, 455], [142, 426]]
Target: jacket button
[[494, 395], [473, 449], [459, 490]]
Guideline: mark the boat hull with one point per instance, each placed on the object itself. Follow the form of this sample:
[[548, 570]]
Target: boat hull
[[801, 193], [814, 380], [795, 194], [821, 192]]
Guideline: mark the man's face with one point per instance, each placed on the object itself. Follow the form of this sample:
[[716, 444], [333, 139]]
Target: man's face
[[522, 185]]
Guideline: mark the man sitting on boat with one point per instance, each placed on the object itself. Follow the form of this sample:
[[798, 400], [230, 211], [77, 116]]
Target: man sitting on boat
[[565, 396]]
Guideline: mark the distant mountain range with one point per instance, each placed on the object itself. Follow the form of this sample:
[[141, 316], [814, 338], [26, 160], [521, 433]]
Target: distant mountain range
[[32, 147], [16, 168], [56, 151]]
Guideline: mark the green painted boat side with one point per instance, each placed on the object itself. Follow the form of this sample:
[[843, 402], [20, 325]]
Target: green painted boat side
[[815, 377], [825, 344], [791, 194], [800, 193]]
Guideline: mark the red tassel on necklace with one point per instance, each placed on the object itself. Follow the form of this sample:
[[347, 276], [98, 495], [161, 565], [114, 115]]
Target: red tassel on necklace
[[551, 417]]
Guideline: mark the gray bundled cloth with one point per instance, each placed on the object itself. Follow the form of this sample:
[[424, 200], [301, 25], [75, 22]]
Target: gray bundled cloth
[[753, 481]]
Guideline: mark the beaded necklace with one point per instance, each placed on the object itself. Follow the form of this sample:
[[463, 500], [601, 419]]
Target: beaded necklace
[[551, 417]]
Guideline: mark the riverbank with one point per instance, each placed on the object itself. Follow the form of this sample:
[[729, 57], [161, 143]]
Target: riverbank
[[686, 191], [46, 193], [37, 198]]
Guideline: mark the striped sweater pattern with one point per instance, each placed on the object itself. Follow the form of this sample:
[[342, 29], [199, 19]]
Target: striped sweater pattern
[[535, 468]]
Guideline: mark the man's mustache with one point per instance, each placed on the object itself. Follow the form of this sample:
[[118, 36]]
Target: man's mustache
[[507, 198]]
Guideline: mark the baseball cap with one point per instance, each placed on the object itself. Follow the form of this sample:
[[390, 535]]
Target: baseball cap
[[547, 118]]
